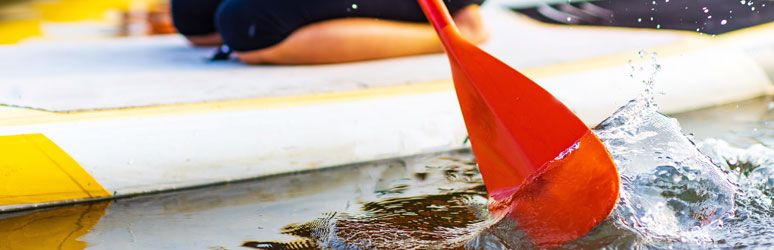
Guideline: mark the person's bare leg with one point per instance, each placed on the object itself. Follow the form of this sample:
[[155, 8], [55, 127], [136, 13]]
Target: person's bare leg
[[208, 40], [357, 39], [468, 21]]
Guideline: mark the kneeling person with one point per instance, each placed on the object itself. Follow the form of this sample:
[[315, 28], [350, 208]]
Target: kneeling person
[[319, 31]]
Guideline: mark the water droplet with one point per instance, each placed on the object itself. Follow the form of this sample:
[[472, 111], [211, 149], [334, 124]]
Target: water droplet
[[354, 6], [752, 9], [697, 29], [771, 105], [658, 26], [723, 22], [742, 2], [709, 17], [705, 9], [569, 19], [654, 2], [639, 20], [651, 18]]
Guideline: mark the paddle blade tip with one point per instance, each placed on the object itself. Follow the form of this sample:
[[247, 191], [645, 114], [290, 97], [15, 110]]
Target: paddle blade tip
[[566, 198]]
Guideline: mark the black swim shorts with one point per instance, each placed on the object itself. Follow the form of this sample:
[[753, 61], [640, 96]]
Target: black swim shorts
[[248, 25]]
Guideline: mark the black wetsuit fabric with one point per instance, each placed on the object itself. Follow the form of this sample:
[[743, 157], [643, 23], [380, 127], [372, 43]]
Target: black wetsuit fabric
[[248, 25]]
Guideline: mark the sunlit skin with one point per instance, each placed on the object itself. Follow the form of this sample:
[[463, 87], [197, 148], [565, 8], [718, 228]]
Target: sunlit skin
[[356, 39]]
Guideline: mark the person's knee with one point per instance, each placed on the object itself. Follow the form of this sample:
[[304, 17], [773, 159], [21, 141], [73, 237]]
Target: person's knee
[[194, 17], [470, 24], [205, 40], [248, 25]]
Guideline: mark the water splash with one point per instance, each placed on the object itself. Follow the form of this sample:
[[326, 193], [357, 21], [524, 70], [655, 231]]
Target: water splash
[[671, 191]]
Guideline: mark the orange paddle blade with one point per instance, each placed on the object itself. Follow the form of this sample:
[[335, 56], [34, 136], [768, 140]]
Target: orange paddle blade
[[566, 198], [516, 129]]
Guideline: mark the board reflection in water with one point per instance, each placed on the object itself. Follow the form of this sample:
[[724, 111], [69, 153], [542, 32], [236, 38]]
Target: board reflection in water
[[445, 218]]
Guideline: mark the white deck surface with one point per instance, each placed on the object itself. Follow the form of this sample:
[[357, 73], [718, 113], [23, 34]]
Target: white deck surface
[[104, 74]]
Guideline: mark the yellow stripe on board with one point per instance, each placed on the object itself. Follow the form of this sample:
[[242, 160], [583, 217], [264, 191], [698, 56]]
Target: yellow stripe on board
[[35, 170], [18, 116], [14, 31]]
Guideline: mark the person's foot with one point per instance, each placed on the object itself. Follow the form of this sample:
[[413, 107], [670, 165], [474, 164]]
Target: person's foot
[[471, 26]]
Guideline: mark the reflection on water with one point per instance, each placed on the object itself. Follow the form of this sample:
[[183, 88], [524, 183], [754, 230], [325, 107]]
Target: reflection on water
[[50, 229], [741, 124], [442, 221], [82, 19], [446, 219]]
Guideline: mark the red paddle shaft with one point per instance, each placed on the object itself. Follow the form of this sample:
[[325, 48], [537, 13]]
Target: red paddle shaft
[[515, 126]]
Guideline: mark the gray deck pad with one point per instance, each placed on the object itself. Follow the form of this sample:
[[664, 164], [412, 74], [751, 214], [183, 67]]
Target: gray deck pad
[[161, 70]]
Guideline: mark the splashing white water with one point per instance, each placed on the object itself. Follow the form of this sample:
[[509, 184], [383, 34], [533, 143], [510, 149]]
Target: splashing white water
[[670, 190]]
